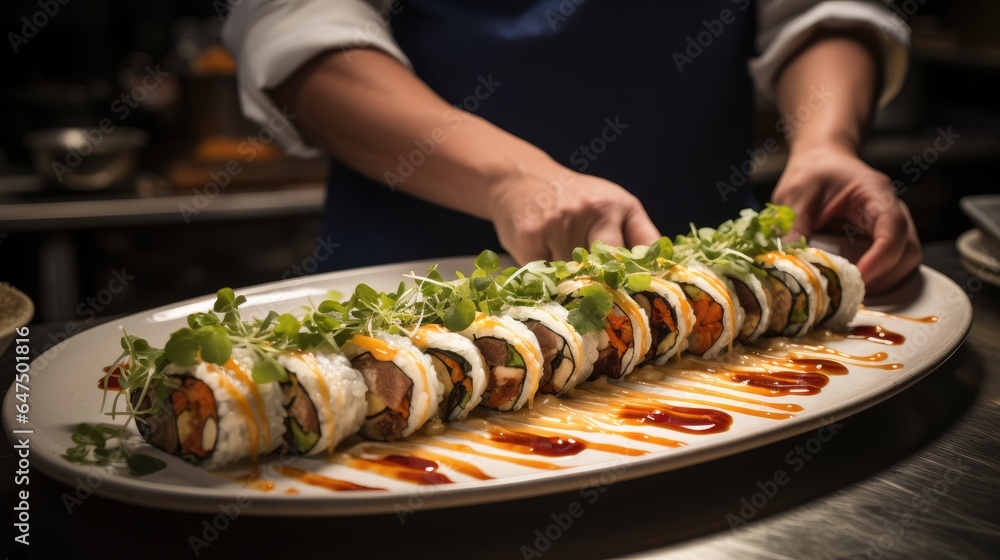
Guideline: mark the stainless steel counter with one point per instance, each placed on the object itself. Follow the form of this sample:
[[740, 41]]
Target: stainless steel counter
[[917, 476]]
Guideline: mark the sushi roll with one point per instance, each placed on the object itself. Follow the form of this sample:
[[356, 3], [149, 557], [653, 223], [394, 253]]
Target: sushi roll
[[844, 287], [755, 301], [214, 415], [325, 401], [625, 339], [512, 358], [458, 365], [718, 315], [671, 319], [403, 390], [567, 358], [798, 293]]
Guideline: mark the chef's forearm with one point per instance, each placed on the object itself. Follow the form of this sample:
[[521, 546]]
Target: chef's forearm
[[832, 83], [370, 112]]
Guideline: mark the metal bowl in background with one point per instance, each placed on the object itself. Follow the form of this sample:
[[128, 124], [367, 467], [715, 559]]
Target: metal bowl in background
[[87, 159]]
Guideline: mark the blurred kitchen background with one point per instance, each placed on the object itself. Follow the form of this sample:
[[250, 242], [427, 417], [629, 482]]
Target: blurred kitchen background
[[148, 206]]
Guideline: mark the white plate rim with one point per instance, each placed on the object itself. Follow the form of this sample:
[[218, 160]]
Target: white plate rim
[[149, 493]]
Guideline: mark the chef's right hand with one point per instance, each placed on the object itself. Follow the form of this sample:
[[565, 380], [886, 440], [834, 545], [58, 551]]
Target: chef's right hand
[[545, 215]]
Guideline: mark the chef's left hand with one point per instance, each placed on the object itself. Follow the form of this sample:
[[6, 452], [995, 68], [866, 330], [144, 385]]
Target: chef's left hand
[[831, 189]]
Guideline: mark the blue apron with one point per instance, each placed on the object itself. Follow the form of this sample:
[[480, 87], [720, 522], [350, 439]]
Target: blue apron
[[652, 95]]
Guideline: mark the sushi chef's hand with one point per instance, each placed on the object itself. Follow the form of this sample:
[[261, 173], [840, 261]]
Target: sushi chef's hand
[[834, 80], [832, 190], [365, 108], [546, 213]]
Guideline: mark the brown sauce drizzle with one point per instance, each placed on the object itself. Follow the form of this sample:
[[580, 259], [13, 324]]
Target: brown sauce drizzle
[[927, 319], [775, 368], [614, 398], [110, 380], [788, 407], [526, 442], [547, 438], [457, 465], [400, 467], [469, 450], [877, 334], [682, 419], [553, 412]]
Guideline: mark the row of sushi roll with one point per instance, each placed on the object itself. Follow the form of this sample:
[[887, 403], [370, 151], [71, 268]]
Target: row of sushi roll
[[385, 365]]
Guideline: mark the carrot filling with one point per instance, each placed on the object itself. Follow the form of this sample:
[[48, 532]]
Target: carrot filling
[[453, 372], [618, 329], [708, 316], [197, 419]]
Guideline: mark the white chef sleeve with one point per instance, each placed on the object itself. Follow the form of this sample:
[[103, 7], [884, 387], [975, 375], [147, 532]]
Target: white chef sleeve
[[784, 25], [271, 39]]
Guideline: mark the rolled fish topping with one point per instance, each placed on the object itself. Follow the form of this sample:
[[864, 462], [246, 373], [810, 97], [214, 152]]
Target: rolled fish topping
[[215, 415], [625, 339], [403, 390], [325, 400], [671, 319], [844, 286], [459, 366], [512, 358], [718, 317], [806, 289], [567, 358]]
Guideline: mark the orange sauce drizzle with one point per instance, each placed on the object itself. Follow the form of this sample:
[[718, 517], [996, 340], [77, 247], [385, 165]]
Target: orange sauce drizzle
[[877, 334], [380, 350], [620, 394], [253, 481], [324, 395], [553, 412], [457, 465], [243, 405], [321, 481], [240, 372], [461, 447], [532, 363], [545, 442], [789, 407]]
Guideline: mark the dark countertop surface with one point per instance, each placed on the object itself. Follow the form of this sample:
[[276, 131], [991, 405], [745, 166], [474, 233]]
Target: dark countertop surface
[[917, 476]]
